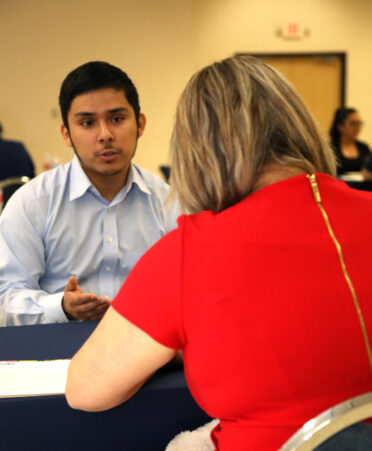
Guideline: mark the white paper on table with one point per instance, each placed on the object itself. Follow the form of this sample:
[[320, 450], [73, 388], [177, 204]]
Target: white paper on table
[[33, 377], [352, 177]]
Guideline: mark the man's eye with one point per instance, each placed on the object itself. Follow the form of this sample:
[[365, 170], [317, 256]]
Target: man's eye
[[86, 123], [117, 119]]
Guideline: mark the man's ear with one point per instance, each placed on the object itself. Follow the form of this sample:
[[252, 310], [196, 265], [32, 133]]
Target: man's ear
[[141, 124], [66, 135]]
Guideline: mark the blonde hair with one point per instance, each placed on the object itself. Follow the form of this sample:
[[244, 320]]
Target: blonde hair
[[233, 119]]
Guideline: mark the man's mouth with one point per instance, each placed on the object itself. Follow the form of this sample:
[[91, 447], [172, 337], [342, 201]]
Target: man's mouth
[[107, 152], [108, 155]]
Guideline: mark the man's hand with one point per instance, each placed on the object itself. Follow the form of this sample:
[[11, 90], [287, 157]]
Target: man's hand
[[83, 306]]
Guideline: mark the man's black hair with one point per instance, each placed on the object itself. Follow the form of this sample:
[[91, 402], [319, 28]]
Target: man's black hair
[[92, 76]]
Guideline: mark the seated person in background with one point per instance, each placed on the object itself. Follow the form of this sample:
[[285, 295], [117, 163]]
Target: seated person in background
[[350, 153], [251, 285], [90, 219], [15, 161]]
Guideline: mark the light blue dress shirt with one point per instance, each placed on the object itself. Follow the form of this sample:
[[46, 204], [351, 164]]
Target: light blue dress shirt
[[58, 225]]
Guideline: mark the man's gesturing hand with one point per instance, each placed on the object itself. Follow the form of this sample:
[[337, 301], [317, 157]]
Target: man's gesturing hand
[[83, 306]]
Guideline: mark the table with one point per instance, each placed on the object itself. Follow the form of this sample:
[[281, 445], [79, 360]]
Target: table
[[364, 186], [147, 422], [356, 180]]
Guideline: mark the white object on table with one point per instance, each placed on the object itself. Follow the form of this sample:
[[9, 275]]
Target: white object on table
[[352, 177], [33, 377]]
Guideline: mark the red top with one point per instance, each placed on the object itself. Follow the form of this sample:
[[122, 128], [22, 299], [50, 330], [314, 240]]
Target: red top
[[257, 298]]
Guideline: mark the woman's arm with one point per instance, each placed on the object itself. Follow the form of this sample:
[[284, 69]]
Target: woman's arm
[[367, 174], [367, 168], [113, 364]]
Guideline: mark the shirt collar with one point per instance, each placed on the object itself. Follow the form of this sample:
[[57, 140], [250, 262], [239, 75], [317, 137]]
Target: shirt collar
[[135, 176], [80, 183]]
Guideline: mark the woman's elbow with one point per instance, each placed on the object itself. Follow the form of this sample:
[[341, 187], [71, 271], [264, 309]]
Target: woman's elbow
[[79, 395], [77, 399], [73, 401]]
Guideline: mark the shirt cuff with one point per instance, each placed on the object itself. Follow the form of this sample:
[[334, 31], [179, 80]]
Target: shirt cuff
[[53, 312]]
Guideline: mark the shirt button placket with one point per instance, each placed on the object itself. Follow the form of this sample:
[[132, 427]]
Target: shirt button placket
[[110, 254]]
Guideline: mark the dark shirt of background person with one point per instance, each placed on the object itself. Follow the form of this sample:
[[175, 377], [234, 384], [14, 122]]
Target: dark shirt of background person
[[351, 154], [14, 159]]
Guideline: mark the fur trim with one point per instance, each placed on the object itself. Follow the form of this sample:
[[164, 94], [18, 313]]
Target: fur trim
[[196, 440]]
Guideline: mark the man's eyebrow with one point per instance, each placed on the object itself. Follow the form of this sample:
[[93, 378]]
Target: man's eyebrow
[[119, 110], [112, 111], [83, 114]]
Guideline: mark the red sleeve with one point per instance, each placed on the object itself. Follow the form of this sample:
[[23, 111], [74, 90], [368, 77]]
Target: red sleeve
[[150, 298]]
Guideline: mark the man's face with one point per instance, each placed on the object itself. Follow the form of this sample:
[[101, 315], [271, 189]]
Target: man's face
[[103, 132]]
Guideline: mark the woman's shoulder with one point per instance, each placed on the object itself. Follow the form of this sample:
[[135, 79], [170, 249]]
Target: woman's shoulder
[[363, 147]]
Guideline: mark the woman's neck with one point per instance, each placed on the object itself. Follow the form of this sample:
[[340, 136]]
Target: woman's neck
[[347, 141], [349, 148], [274, 173]]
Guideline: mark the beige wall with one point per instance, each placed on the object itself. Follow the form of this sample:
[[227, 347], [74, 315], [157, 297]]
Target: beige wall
[[160, 44]]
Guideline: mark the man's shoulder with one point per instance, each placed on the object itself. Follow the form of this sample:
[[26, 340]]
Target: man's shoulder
[[158, 190], [47, 183]]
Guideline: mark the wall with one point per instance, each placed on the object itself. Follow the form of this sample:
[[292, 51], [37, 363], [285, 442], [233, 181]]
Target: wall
[[160, 44]]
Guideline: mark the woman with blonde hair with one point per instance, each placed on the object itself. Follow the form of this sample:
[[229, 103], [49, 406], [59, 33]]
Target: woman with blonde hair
[[263, 285]]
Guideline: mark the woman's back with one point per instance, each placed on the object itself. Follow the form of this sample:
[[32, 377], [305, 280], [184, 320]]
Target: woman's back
[[273, 335]]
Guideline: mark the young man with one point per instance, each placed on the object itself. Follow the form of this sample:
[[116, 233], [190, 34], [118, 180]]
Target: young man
[[69, 237]]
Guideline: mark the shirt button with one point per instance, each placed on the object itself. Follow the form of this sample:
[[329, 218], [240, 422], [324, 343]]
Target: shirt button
[[109, 209], [109, 239], [108, 268]]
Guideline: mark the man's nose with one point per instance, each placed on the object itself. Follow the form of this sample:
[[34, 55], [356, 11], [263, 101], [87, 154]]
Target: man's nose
[[105, 133]]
